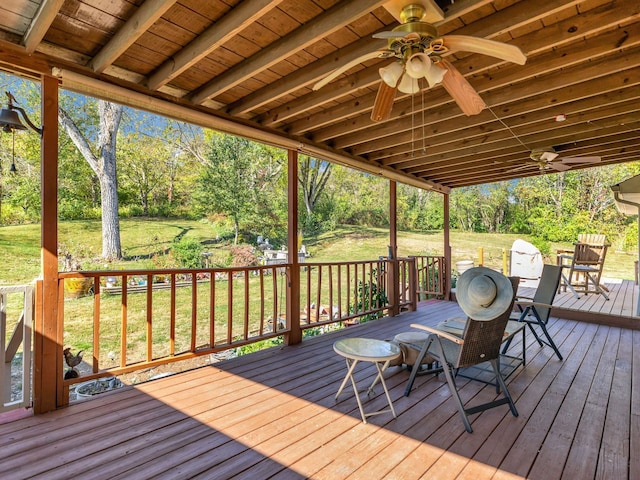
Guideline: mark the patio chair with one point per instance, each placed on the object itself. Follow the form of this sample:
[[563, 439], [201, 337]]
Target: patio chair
[[537, 310], [479, 342], [584, 265], [456, 326]]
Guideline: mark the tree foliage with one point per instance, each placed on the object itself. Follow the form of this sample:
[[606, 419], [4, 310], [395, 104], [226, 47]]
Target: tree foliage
[[237, 180]]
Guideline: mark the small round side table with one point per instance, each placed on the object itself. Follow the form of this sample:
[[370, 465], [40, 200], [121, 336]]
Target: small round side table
[[379, 352]]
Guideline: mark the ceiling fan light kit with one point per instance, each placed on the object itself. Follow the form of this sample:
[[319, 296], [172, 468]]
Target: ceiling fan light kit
[[408, 85], [391, 74], [418, 65]]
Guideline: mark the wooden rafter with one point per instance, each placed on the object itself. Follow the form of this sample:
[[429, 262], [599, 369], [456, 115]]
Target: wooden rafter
[[148, 13]]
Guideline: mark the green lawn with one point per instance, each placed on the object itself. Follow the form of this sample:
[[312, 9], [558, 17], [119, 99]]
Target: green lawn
[[369, 243], [142, 238]]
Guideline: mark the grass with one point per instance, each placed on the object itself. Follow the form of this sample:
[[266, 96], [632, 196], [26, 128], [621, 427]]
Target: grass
[[369, 243], [142, 238]]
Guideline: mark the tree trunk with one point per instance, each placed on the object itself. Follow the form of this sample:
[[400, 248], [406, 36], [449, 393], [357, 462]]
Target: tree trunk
[[111, 248], [104, 167]]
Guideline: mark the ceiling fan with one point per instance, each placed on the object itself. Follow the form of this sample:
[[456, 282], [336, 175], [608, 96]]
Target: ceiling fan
[[548, 159], [416, 50]]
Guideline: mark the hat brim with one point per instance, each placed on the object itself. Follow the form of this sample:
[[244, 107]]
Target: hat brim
[[502, 302]]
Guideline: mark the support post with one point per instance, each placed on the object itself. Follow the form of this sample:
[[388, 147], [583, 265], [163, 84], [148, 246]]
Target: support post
[[293, 275], [447, 248], [47, 346], [393, 274]]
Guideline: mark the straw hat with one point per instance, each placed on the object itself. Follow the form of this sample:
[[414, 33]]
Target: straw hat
[[484, 294]]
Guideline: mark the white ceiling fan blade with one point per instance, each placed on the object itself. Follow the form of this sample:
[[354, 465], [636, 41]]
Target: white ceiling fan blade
[[339, 71], [548, 156], [504, 51], [461, 90], [581, 159]]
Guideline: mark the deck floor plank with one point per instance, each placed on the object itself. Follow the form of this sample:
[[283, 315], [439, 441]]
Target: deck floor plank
[[614, 451], [583, 456]]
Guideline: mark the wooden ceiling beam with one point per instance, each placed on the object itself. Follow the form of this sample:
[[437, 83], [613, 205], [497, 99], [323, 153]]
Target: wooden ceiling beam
[[145, 16], [40, 24], [308, 75], [238, 18], [343, 86], [336, 17], [493, 176], [606, 145], [507, 154], [516, 16]]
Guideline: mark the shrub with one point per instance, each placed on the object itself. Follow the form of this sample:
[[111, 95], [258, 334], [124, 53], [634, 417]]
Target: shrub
[[541, 244], [188, 253]]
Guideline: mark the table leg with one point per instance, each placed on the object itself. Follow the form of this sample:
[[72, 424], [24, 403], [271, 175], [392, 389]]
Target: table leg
[[384, 385], [351, 365]]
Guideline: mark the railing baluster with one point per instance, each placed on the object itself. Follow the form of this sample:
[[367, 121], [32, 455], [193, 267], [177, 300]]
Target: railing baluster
[[308, 306], [123, 323], [149, 318], [172, 315], [96, 325], [262, 299], [276, 300], [330, 291], [229, 306], [246, 305], [319, 294], [212, 309]]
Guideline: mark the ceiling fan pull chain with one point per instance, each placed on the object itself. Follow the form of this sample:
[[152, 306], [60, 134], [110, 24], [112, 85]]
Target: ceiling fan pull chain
[[413, 114], [424, 146]]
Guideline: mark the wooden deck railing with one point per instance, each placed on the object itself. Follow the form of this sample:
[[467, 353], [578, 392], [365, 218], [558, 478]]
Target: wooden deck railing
[[16, 313], [143, 318], [343, 292], [431, 276]]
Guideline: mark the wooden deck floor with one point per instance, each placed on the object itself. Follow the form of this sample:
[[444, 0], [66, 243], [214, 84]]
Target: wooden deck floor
[[272, 414], [619, 310]]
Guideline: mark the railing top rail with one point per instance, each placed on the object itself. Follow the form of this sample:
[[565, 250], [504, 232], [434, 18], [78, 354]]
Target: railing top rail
[[164, 271], [14, 288]]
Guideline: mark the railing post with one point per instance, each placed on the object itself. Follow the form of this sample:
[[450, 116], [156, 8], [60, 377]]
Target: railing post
[[413, 284], [393, 283]]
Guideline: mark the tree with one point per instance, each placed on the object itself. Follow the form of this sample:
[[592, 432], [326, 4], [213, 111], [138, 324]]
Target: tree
[[313, 175], [103, 164], [236, 178], [143, 156]]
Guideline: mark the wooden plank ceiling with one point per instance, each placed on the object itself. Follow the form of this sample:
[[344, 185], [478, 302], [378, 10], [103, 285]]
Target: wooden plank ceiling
[[248, 67]]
